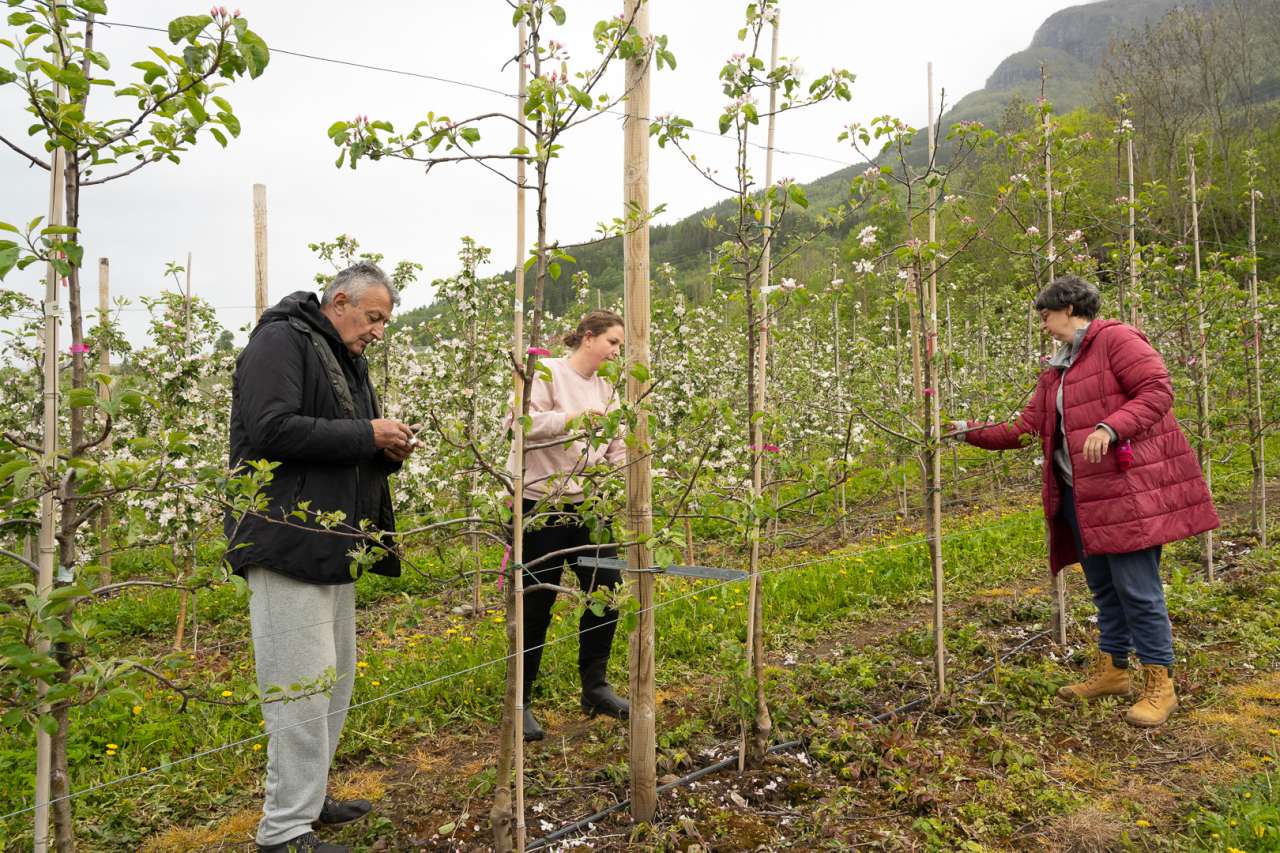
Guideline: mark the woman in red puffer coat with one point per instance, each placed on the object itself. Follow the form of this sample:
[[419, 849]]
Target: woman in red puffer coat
[[1120, 481]]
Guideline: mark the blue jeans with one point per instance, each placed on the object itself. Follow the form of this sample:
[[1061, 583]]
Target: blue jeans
[[1129, 595]]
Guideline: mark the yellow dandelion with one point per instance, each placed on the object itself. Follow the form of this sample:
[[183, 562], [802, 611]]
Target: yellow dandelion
[[137, 709], [1259, 830], [1248, 795], [110, 753], [142, 770], [1234, 850], [466, 639], [1143, 823], [1266, 759], [257, 746], [375, 682], [226, 693], [112, 746], [1274, 732], [362, 664]]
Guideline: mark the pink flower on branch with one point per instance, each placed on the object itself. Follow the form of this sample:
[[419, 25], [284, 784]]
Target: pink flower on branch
[[539, 351], [764, 448], [79, 348]]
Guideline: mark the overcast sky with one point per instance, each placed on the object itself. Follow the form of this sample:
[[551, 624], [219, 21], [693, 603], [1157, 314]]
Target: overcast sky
[[204, 206]]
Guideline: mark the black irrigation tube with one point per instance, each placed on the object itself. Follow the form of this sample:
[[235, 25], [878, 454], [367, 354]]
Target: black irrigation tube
[[724, 764]]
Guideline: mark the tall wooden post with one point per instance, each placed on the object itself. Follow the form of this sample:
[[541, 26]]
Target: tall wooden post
[[933, 411], [508, 828], [1201, 372], [104, 392], [1253, 358], [635, 255], [260, 250], [1060, 614]]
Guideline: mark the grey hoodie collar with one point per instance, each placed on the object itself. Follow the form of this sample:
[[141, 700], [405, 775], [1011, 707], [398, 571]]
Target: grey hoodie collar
[[1067, 352]]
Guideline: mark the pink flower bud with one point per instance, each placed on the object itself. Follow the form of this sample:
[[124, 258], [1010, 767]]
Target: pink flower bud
[[78, 348], [539, 351], [929, 392]]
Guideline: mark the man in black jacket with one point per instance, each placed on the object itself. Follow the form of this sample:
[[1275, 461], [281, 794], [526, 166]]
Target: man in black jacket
[[301, 397]]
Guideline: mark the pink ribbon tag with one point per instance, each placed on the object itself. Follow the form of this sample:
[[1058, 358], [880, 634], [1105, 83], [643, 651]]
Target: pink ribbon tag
[[502, 571]]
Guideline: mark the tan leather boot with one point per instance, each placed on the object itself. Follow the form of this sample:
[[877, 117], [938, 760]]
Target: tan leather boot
[[1105, 679], [1158, 699]]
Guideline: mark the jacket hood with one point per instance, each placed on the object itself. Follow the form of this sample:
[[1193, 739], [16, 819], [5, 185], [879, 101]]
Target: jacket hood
[[305, 306]]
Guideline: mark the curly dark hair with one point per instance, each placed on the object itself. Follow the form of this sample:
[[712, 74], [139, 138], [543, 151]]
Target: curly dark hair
[[595, 322], [1070, 291]]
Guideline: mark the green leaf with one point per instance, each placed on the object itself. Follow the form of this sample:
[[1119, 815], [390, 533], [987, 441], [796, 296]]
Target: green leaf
[[726, 121], [255, 53], [554, 269], [640, 372], [10, 468], [80, 397], [218, 135], [17, 19], [188, 27], [49, 724], [230, 122], [75, 253], [557, 15], [796, 193], [97, 7], [8, 257], [7, 76]]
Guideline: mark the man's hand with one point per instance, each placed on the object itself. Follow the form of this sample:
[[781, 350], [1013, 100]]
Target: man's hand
[[401, 452], [1096, 445], [389, 433]]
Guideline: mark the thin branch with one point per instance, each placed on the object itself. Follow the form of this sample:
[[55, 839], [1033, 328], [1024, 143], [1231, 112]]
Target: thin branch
[[35, 161]]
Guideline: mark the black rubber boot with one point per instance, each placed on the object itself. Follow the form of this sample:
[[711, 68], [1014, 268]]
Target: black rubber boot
[[341, 812], [304, 844], [597, 696], [532, 729]]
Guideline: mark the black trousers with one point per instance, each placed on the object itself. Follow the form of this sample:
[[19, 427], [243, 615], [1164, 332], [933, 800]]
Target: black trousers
[[565, 529]]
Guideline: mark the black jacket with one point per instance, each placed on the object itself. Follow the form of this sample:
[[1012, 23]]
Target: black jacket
[[284, 409]]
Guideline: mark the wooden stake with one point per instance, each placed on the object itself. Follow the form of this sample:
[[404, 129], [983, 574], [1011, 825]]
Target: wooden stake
[[260, 250], [1201, 372], [104, 392], [49, 460], [635, 262]]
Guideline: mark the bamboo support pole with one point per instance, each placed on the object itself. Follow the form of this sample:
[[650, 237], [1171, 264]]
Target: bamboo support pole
[[1059, 580], [188, 556], [1201, 372], [1253, 354], [635, 255], [104, 393], [1132, 294], [932, 407], [259, 250], [48, 544], [755, 743]]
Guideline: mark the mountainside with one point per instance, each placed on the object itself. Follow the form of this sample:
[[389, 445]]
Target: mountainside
[[1071, 45]]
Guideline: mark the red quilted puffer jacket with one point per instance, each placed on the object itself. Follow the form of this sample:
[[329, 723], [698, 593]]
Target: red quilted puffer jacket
[[1116, 378]]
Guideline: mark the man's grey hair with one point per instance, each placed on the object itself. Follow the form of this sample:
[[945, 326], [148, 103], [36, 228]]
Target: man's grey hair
[[356, 280]]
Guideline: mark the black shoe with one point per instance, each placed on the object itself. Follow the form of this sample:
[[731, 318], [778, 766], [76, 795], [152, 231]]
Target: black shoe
[[597, 696], [340, 812], [532, 729], [304, 844]]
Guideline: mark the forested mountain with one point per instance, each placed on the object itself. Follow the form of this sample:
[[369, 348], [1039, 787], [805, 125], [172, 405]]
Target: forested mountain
[[1155, 51]]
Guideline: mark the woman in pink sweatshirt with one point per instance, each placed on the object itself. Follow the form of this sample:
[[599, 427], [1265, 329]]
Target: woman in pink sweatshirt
[[553, 489]]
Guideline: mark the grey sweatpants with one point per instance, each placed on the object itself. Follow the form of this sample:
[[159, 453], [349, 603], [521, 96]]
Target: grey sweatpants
[[300, 631]]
